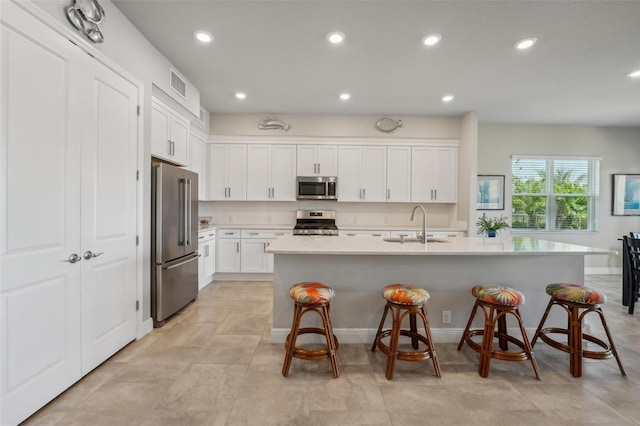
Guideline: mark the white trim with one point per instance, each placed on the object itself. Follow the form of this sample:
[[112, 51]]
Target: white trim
[[331, 140], [602, 270], [145, 328], [242, 276], [554, 157]]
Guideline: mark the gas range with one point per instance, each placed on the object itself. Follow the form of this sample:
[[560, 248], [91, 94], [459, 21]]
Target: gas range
[[315, 222]]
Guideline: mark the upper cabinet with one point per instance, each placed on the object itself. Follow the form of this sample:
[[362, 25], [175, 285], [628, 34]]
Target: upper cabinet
[[271, 172], [169, 134], [398, 174], [362, 173], [198, 160], [434, 174], [227, 172], [317, 160]]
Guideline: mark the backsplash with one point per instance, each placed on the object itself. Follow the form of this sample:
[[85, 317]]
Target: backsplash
[[347, 214]]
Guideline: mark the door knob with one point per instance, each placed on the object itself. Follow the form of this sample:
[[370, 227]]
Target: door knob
[[90, 255], [73, 258]]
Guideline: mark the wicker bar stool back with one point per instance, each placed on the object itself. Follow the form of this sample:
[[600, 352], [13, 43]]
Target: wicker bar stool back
[[496, 302], [311, 297], [577, 301]]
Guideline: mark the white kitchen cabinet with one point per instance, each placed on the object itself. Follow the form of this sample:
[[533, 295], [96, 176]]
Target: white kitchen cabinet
[[207, 259], [362, 173], [228, 250], [169, 134], [227, 172], [412, 233], [271, 172], [198, 161], [317, 160], [253, 249], [69, 208], [398, 174], [434, 174]]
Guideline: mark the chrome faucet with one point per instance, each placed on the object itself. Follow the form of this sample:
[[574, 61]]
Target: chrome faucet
[[423, 237]]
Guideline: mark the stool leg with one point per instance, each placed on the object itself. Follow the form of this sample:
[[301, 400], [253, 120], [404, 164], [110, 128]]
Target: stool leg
[[575, 342], [542, 321], [431, 349], [331, 341], [384, 316], [466, 330], [487, 344], [528, 349], [393, 344], [613, 348], [413, 327], [291, 339], [502, 331]]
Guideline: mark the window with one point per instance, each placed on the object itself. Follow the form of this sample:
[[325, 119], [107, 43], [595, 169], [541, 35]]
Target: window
[[555, 193]]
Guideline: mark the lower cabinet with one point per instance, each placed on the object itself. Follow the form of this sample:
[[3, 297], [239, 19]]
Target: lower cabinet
[[228, 250], [207, 259]]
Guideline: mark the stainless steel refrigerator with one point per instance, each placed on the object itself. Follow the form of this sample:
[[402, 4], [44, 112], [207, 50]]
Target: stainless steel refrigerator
[[174, 240]]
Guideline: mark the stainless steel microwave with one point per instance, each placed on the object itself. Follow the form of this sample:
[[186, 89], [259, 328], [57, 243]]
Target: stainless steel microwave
[[317, 188]]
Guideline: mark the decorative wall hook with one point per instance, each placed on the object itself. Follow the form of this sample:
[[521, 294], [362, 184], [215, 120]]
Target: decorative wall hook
[[272, 123], [388, 125]]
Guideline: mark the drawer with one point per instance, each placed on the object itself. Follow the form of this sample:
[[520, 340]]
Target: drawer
[[265, 233], [228, 233], [207, 235], [361, 232]]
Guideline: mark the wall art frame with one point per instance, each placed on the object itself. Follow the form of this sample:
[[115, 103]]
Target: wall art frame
[[625, 195], [490, 192]]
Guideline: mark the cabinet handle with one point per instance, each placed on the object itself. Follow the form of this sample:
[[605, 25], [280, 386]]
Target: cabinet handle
[[388, 193], [229, 192], [318, 168], [206, 251], [237, 247], [279, 233], [264, 247], [364, 193], [253, 233], [169, 147], [435, 194]]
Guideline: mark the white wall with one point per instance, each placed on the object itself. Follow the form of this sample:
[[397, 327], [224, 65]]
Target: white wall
[[620, 152]]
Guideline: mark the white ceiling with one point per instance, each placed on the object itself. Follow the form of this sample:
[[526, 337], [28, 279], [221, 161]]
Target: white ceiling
[[276, 52]]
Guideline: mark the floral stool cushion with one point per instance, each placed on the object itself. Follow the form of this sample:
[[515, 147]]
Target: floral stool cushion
[[311, 293], [576, 293], [404, 294], [498, 295]]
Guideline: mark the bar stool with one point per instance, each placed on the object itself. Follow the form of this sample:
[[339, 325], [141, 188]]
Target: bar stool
[[311, 297], [496, 302], [403, 300], [577, 301]]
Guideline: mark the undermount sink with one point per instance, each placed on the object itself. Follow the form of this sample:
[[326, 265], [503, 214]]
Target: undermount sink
[[412, 240]]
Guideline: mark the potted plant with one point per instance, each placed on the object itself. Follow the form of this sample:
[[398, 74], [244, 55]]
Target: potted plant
[[490, 226]]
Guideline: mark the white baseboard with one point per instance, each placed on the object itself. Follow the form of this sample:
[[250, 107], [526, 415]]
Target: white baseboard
[[366, 335], [602, 271], [145, 328]]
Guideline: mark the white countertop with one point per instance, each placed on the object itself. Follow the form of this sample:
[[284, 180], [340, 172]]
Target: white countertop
[[452, 246]]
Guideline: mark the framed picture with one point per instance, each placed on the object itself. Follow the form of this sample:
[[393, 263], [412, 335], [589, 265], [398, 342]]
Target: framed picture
[[625, 195], [490, 192]]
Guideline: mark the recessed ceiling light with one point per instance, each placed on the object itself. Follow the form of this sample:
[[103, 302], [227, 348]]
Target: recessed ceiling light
[[634, 74], [203, 36], [526, 43], [447, 98], [336, 37], [345, 96], [241, 95], [431, 39]]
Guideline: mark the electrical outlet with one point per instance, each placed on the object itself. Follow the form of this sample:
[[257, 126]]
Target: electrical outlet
[[446, 317]]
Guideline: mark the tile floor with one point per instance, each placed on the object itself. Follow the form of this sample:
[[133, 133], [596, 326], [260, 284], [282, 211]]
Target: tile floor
[[213, 364]]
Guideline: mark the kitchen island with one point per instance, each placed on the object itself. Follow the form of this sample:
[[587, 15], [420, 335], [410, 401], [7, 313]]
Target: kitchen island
[[358, 269]]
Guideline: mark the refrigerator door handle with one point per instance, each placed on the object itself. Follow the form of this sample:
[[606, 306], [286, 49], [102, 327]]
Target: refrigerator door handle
[[187, 217], [182, 263]]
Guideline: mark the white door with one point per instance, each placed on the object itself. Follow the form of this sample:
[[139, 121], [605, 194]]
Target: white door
[[374, 173], [445, 168], [306, 160], [179, 134], [40, 210], [160, 125], [422, 175], [258, 172], [237, 172], [218, 172], [283, 172], [253, 257], [228, 255], [327, 159], [350, 160], [398, 174], [109, 193], [198, 161]]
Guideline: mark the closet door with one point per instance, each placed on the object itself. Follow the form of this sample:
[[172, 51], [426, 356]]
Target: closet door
[[108, 209], [40, 210]]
